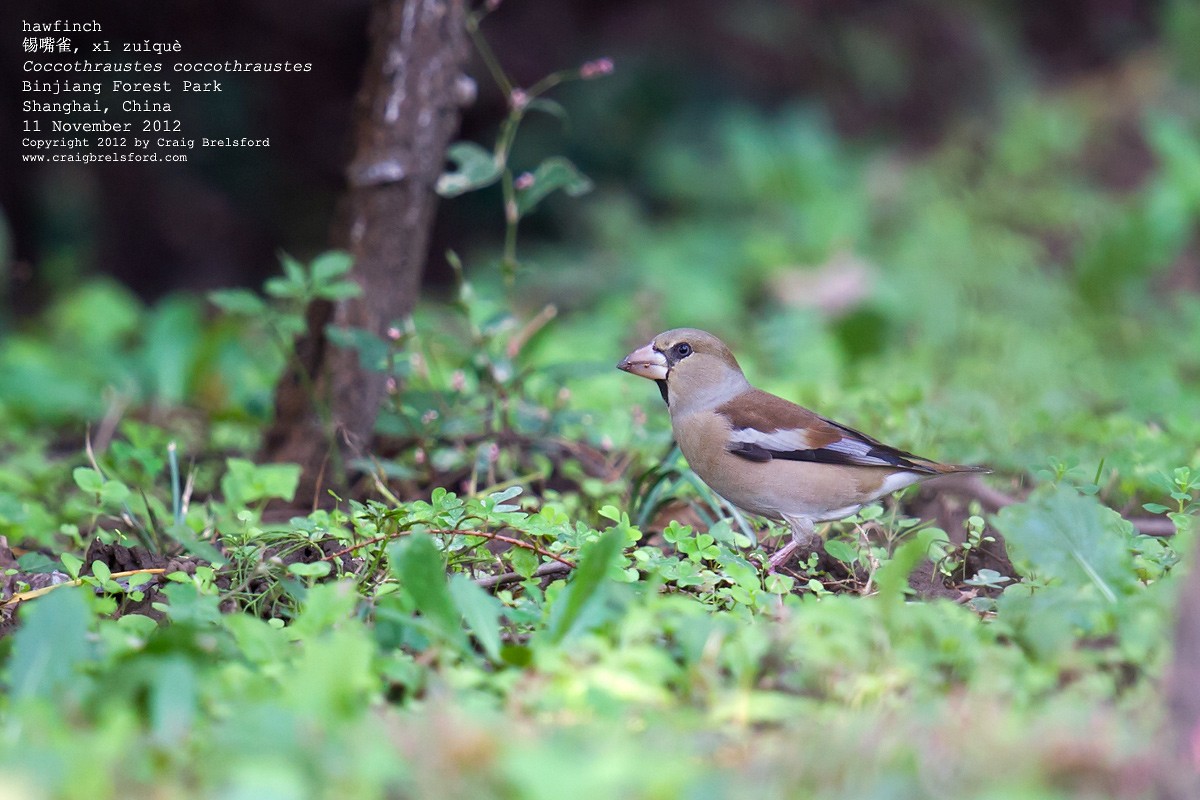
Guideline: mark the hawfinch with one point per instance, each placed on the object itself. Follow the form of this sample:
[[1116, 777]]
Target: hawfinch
[[760, 452]]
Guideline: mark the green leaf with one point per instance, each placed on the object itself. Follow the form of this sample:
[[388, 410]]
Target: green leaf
[[415, 560], [499, 499], [101, 571], [1156, 508], [524, 562], [238, 301], [842, 551], [172, 701], [474, 168], [246, 482], [329, 266], [551, 175], [1065, 536], [373, 351], [583, 588], [34, 561], [51, 642], [338, 290], [481, 612], [114, 493], [88, 479], [315, 569], [516, 655], [284, 288], [71, 563]]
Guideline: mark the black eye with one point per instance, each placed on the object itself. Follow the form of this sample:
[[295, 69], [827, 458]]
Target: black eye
[[682, 350]]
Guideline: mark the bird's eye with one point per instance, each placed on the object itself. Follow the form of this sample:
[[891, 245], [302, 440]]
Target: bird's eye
[[683, 350]]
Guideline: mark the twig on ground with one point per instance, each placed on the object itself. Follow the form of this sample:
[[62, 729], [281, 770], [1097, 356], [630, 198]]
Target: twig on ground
[[454, 532], [492, 581], [21, 597]]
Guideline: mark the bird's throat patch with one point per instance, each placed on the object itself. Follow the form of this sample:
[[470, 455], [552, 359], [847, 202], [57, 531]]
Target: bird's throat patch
[[662, 389]]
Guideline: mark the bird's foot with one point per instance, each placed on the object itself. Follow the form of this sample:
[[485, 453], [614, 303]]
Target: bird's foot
[[782, 555], [804, 541]]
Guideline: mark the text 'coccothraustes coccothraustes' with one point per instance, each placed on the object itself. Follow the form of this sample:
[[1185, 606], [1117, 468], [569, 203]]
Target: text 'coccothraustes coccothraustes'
[[763, 454]]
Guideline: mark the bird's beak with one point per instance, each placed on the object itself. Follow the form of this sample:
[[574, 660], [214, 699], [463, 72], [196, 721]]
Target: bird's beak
[[645, 362]]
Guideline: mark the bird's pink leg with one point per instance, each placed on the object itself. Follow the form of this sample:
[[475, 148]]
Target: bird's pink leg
[[804, 540]]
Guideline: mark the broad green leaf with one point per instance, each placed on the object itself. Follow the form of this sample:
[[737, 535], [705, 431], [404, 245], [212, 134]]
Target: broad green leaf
[[51, 642], [71, 563], [88, 479], [842, 551], [551, 175], [173, 698], [238, 301], [292, 269], [315, 569], [499, 499], [101, 571], [34, 561], [338, 290], [474, 168], [284, 288], [246, 482], [172, 334], [415, 560], [585, 583], [524, 562], [1065, 536], [329, 266], [481, 612], [114, 493]]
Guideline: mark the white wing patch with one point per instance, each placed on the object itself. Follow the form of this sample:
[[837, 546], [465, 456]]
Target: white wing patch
[[782, 440], [786, 440]]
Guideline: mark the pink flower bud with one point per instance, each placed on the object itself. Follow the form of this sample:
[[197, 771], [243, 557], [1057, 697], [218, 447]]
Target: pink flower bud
[[458, 381], [594, 69], [393, 333], [518, 99], [524, 180]]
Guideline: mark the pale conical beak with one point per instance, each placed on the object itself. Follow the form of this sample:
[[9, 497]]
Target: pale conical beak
[[645, 362]]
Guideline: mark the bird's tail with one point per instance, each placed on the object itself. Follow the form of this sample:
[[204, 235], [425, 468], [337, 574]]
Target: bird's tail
[[952, 469]]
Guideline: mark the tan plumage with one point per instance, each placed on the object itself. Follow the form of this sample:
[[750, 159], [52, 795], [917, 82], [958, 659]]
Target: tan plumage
[[762, 453]]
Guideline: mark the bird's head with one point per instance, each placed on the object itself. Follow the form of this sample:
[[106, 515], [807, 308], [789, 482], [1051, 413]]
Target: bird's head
[[693, 369]]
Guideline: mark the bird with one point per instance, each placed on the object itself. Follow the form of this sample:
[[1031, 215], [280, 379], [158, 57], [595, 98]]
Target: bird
[[766, 455]]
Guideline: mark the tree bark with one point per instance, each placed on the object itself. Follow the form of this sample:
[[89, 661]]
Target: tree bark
[[406, 112]]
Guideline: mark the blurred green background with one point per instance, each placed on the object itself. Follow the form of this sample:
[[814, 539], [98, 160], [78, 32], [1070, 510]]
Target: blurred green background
[[967, 228]]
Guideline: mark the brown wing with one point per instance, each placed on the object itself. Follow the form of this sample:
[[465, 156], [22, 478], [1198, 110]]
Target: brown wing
[[766, 427]]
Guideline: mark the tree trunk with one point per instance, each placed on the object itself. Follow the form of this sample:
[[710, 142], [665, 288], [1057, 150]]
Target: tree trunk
[[407, 110]]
